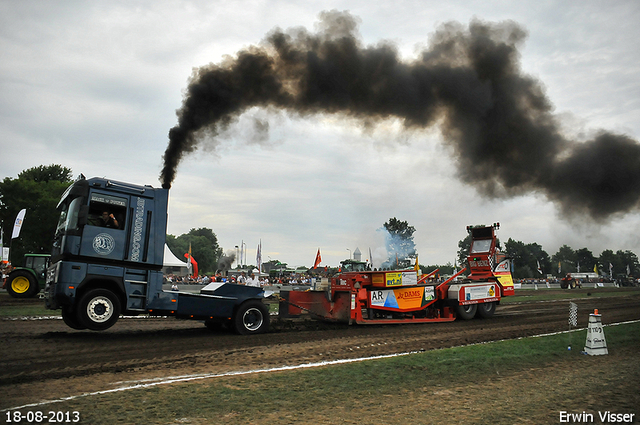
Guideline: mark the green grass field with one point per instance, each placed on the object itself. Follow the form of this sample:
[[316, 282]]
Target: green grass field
[[544, 294]]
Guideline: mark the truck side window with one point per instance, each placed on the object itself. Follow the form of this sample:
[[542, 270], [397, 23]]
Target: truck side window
[[107, 211]]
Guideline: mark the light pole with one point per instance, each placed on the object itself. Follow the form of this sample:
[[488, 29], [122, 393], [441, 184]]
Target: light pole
[[349, 253], [237, 254]]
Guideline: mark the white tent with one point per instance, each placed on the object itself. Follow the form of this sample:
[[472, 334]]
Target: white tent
[[173, 265]]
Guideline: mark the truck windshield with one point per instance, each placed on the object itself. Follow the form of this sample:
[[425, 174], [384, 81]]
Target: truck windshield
[[69, 216]]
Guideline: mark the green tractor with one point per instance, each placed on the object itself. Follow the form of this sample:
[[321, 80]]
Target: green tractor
[[26, 281]]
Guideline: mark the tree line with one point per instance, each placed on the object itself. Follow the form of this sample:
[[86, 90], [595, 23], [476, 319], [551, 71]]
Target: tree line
[[204, 248], [530, 260], [38, 190]]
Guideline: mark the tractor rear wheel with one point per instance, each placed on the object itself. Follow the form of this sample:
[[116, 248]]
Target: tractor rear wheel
[[22, 284], [467, 312]]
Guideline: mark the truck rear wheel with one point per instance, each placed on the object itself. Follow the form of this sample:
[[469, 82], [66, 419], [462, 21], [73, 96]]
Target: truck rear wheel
[[252, 317], [467, 312], [22, 284], [486, 310], [98, 309]]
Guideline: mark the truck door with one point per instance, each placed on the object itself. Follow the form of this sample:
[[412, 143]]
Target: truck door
[[104, 235]]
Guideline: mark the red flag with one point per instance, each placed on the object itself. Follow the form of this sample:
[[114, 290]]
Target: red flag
[[318, 259], [193, 262]]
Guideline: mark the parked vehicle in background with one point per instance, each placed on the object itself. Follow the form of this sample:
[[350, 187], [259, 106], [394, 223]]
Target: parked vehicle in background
[[28, 280]]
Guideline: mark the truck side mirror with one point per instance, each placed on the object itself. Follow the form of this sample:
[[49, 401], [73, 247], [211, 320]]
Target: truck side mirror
[[83, 215]]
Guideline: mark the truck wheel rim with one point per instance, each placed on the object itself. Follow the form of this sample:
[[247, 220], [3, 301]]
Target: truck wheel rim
[[100, 309], [20, 285], [252, 319]]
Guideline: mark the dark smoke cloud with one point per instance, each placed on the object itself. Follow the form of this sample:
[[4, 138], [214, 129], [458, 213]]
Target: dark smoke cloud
[[496, 120]]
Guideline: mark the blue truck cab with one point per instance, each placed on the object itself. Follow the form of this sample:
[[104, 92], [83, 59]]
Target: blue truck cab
[[107, 260]]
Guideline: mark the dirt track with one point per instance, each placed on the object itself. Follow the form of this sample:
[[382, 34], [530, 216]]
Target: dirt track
[[44, 360]]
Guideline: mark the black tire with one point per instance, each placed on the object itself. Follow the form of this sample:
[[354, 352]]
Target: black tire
[[486, 310], [98, 309], [467, 312], [252, 317], [22, 284], [70, 318]]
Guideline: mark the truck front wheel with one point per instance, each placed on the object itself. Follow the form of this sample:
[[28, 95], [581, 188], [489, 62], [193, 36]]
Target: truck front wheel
[[22, 284], [98, 309], [252, 317], [467, 312]]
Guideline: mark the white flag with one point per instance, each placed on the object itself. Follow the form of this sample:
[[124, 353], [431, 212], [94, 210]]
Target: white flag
[[18, 224], [259, 257], [189, 263]]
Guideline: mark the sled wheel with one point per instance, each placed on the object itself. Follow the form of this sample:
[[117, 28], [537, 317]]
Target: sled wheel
[[486, 310], [252, 317], [98, 309], [467, 312]]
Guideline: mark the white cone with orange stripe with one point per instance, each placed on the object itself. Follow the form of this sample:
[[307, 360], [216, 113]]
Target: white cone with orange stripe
[[596, 343]]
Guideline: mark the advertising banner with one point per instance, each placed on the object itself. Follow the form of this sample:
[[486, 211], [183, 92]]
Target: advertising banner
[[18, 224], [401, 279], [403, 298]]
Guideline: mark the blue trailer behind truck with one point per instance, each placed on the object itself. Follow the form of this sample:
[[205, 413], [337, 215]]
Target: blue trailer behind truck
[[107, 258]]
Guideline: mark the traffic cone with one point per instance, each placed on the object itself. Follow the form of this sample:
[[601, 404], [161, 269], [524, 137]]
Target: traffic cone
[[596, 343]]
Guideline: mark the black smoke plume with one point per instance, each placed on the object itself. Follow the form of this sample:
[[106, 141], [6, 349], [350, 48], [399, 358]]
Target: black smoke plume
[[497, 121]]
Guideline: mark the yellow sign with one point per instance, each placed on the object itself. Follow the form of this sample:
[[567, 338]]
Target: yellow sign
[[505, 279], [394, 279]]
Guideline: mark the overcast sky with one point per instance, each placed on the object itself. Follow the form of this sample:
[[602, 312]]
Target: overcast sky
[[94, 86]]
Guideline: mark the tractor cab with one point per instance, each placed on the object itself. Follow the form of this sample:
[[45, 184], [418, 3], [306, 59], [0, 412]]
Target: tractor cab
[[354, 266]]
